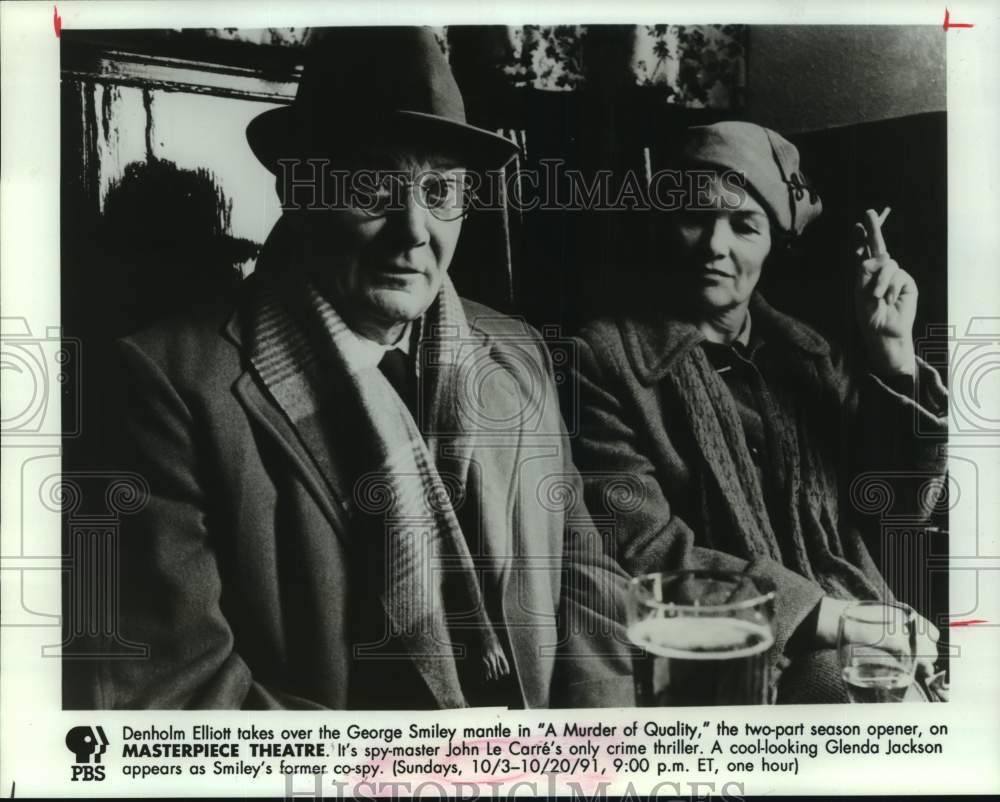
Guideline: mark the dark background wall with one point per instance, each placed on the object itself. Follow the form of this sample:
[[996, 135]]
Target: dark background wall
[[806, 78]]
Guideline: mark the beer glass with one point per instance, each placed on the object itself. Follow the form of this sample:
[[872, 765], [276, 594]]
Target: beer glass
[[877, 646], [702, 638]]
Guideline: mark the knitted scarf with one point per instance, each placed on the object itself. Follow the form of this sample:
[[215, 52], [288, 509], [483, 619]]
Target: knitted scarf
[[732, 502], [431, 587]]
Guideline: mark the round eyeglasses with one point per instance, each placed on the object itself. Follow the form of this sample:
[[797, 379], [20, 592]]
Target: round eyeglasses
[[447, 196]]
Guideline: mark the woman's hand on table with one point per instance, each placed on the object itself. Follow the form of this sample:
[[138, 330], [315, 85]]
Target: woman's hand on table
[[828, 626]]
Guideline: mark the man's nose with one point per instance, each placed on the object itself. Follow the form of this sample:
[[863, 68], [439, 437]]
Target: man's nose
[[411, 220]]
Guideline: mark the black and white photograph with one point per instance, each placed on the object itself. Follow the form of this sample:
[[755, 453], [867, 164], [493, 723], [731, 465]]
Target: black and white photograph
[[330, 415], [415, 375]]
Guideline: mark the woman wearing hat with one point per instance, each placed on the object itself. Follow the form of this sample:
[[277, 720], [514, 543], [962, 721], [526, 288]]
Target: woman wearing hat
[[735, 417]]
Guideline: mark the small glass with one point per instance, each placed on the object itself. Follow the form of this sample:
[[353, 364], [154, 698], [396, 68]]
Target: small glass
[[702, 638], [877, 646]]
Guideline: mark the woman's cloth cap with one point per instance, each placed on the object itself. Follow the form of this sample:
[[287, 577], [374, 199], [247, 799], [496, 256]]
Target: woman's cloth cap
[[768, 162]]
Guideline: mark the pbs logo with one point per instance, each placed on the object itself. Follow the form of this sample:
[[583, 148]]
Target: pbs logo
[[87, 745]]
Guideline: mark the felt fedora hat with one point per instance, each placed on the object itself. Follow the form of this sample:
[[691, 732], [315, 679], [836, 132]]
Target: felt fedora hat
[[374, 86]]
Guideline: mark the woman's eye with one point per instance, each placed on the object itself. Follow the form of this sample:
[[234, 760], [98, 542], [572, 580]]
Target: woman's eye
[[745, 227]]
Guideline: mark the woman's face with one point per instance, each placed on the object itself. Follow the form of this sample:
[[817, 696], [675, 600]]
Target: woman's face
[[722, 248]]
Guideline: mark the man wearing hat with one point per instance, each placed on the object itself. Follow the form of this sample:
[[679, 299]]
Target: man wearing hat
[[355, 474], [741, 422]]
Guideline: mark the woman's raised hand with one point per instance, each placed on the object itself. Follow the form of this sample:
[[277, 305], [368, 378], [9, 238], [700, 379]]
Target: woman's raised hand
[[885, 301]]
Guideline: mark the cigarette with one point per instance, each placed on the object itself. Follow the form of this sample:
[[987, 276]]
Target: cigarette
[[935, 677]]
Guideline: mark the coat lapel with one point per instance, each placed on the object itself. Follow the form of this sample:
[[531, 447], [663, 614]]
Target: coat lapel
[[327, 487], [489, 411], [477, 417], [654, 345], [485, 408]]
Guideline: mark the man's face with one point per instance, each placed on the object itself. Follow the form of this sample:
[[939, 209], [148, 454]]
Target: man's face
[[382, 258], [723, 247]]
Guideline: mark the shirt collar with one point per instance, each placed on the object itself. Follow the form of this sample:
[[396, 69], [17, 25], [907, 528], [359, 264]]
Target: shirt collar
[[723, 357], [361, 353], [744, 336]]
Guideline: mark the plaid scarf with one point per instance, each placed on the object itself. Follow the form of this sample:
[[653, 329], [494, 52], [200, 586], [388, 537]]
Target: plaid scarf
[[431, 590]]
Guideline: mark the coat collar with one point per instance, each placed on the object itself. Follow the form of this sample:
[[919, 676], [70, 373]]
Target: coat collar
[[330, 490], [655, 344], [233, 330], [330, 495]]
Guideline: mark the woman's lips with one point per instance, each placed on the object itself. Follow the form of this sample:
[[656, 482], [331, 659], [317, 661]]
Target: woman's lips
[[393, 268]]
